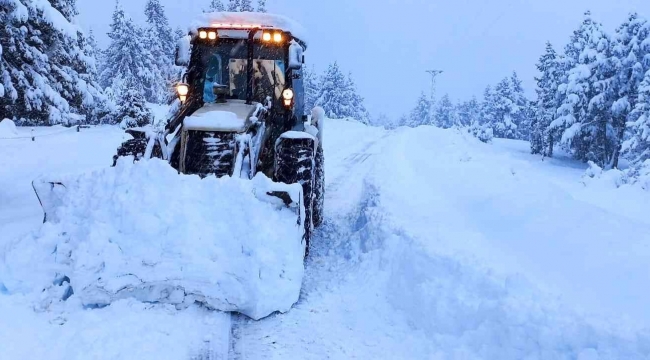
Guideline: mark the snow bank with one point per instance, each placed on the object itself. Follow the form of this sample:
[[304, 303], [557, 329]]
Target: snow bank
[[143, 231], [8, 129], [126, 330]]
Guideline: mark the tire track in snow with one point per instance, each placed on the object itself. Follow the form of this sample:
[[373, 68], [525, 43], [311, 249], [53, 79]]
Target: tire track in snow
[[249, 339]]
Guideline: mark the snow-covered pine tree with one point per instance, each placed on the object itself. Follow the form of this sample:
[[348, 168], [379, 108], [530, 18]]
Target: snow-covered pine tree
[[504, 124], [482, 127], [586, 116], [132, 108], [311, 84], [159, 23], [67, 8], [444, 116], [333, 94], [420, 114], [246, 5], [639, 145], [637, 148], [488, 108], [261, 6], [215, 6], [542, 138], [520, 108], [357, 109], [233, 5], [160, 42], [46, 73], [468, 112], [630, 50], [127, 59]]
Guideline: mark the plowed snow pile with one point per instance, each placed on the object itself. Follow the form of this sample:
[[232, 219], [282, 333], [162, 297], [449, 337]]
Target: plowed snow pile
[[143, 231]]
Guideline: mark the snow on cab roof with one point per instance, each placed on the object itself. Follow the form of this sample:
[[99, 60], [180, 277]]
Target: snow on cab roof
[[249, 20]]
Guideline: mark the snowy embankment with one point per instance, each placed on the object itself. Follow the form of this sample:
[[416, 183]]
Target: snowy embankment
[[458, 249]]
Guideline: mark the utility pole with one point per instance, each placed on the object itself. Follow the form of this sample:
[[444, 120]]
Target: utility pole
[[434, 74]]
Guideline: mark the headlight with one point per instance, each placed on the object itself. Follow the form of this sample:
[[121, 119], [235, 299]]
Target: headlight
[[277, 37], [287, 94], [182, 90], [212, 35], [266, 36], [203, 34]]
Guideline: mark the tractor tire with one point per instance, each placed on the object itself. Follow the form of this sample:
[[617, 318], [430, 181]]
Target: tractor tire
[[319, 189], [136, 148], [295, 162]]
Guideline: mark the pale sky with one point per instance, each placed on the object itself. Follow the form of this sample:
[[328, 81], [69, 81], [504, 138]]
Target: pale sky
[[388, 44]]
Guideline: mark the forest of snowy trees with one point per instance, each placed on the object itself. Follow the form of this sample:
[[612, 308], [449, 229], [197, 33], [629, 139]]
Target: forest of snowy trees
[[53, 73], [593, 100], [336, 93], [593, 97]]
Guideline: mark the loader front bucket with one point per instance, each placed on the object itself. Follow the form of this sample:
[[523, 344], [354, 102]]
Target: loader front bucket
[[50, 195]]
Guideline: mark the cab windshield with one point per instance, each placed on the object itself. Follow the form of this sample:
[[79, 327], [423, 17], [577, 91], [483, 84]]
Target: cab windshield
[[226, 65]]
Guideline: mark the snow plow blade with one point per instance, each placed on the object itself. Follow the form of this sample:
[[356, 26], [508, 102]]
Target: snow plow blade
[[141, 230], [50, 196]]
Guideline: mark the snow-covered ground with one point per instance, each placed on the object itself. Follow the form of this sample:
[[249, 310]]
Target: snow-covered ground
[[435, 246]]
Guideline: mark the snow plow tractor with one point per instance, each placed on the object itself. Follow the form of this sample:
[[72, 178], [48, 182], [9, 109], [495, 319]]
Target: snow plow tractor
[[240, 112], [242, 109]]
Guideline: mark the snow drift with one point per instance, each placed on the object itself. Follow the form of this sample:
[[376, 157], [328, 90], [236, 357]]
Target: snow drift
[[8, 129], [143, 231]]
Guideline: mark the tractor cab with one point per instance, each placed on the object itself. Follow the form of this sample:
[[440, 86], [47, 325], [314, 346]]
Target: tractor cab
[[239, 61]]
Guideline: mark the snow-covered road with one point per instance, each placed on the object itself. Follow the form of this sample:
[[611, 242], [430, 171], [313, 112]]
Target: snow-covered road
[[435, 246]]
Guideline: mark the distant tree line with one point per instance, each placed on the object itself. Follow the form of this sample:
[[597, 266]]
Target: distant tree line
[[504, 112], [593, 100]]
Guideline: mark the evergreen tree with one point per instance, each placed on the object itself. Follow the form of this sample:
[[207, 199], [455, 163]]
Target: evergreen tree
[[133, 111], [488, 108], [356, 105], [46, 73], [215, 6], [234, 5], [468, 112], [542, 137], [261, 6], [312, 91], [420, 114], [67, 8], [444, 116], [630, 51], [161, 45], [519, 108], [638, 146], [504, 124], [339, 98], [246, 5], [333, 94], [127, 60], [586, 116]]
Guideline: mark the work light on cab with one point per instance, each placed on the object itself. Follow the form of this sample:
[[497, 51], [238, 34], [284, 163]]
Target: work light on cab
[[287, 96], [182, 90]]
